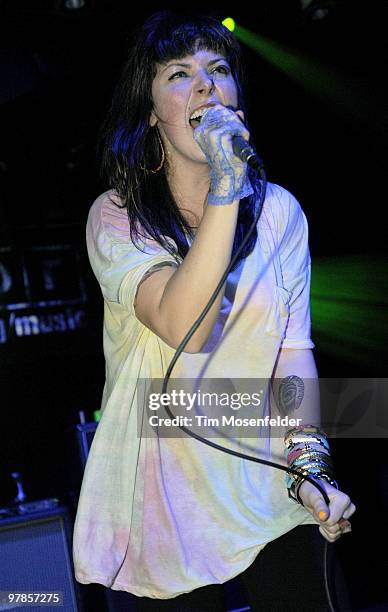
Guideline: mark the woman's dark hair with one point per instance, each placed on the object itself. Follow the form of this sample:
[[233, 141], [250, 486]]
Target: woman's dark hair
[[128, 145]]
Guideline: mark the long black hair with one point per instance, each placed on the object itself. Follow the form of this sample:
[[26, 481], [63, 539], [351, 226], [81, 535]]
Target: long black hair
[[129, 146]]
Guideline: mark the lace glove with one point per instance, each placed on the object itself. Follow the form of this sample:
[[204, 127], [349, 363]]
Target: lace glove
[[228, 174]]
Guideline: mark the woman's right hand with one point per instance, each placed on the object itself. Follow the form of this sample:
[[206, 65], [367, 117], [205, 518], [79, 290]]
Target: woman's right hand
[[228, 174], [334, 519]]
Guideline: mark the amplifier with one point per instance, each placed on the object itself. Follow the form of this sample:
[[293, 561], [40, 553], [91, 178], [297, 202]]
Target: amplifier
[[36, 558]]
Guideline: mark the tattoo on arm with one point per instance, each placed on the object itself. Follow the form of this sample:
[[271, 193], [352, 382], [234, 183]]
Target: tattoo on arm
[[290, 394]]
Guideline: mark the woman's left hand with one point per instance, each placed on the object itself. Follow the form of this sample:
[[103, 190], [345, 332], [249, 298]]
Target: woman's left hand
[[333, 519]]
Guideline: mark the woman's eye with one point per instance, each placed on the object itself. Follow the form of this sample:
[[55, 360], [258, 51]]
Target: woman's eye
[[222, 69], [219, 69], [176, 74]]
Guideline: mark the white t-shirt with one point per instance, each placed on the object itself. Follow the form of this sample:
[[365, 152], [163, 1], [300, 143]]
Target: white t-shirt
[[161, 516]]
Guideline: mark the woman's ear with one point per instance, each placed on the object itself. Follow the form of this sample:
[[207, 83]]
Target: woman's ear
[[153, 119], [240, 114]]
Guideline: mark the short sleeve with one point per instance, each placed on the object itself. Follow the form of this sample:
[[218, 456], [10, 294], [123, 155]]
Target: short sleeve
[[295, 265], [117, 263]]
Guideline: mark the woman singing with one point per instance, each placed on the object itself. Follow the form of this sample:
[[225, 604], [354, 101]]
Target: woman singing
[[167, 518]]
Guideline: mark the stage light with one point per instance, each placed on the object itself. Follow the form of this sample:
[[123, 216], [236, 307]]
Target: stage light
[[349, 306], [342, 92], [74, 4], [229, 23], [316, 9]]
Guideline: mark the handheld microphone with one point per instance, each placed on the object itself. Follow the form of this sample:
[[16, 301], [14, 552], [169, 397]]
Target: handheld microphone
[[243, 150]]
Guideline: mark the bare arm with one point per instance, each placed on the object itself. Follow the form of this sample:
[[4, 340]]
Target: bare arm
[[300, 364], [295, 386], [170, 300]]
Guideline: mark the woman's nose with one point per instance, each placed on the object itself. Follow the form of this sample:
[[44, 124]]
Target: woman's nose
[[205, 84]]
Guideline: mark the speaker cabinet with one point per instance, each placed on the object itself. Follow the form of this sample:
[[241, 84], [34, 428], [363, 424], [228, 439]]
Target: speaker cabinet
[[35, 556]]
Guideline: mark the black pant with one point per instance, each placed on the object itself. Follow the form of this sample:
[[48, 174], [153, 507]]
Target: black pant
[[287, 575]]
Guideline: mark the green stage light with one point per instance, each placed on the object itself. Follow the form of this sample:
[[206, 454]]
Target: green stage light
[[229, 23], [349, 307], [345, 94], [309, 73]]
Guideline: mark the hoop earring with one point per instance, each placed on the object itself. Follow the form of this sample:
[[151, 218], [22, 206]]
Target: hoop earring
[[162, 160]]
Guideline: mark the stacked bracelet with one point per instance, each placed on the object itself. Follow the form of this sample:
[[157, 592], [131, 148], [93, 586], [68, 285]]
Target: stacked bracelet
[[308, 452]]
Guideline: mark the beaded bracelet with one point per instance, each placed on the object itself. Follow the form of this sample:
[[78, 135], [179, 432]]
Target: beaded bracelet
[[304, 447], [312, 457], [293, 490], [298, 454], [308, 452], [304, 430], [290, 442]]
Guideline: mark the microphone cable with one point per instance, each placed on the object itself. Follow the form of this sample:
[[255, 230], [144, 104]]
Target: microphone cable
[[255, 162]]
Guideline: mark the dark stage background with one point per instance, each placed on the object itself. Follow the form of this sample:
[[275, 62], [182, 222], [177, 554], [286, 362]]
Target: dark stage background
[[57, 72]]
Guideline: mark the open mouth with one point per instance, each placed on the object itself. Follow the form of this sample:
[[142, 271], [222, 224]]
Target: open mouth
[[196, 116], [195, 122]]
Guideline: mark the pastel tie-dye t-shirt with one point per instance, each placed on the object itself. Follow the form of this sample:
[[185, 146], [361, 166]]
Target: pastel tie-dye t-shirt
[[161, 516]]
